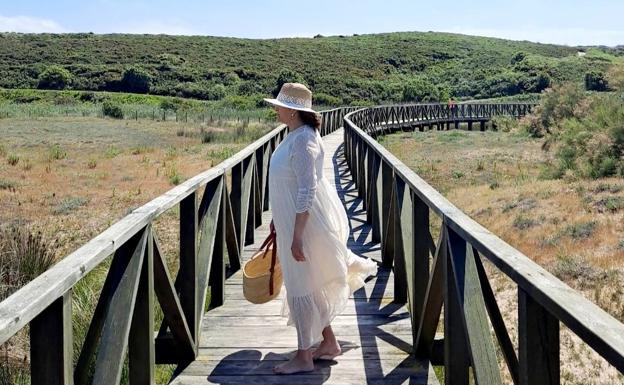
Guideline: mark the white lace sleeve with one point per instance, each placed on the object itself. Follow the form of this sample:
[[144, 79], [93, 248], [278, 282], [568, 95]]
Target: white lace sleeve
[[303, 153]]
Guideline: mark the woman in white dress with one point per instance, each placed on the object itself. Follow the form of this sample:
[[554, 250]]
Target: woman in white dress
[[312, 229]]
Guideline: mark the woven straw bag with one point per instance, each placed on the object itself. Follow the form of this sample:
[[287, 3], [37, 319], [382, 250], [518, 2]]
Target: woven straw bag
[[262, 274]]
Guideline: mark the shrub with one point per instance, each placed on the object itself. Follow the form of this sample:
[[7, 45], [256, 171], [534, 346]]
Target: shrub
[[135, 79], [112, 110], [68, 205], [57, 153], [596, 81], [92, 163], [326, 100], [55, 78], [615, 76], [174, 177], [286, 76], [12, 159], [24, 254]]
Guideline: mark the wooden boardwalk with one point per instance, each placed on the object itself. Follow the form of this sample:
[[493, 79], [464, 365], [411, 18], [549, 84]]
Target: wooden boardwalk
[[241, 342]]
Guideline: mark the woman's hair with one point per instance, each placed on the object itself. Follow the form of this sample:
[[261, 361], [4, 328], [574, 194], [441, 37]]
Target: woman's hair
[[312, 119]]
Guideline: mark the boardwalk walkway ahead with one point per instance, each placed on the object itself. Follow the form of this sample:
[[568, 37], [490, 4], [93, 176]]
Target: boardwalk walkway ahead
[[241, 342]]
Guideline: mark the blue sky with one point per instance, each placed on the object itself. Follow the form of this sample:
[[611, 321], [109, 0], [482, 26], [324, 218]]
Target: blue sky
[[569, 22]]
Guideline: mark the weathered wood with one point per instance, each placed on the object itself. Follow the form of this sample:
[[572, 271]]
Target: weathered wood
[[171, 307], [434, 298], [480, 345], [208, 233], [216, 270], [593, 325], [116, 328], [498, 324], [386, 226], [51, 344], [538, 343], [231, 237], [421, 256], [403, 238], [187, 283], [141, 354], [456, 356]]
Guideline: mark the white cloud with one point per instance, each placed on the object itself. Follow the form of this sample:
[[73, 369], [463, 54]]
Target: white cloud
[[567, 36], [29, 24]]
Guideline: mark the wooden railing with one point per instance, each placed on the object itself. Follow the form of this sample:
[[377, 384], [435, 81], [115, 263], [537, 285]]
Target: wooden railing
[[449, 273], [384, 119], [219, 211]]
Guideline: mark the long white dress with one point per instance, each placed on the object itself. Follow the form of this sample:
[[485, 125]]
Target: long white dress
[[317, 289]]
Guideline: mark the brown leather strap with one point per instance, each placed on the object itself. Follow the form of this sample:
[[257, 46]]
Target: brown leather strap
[[273, 261]]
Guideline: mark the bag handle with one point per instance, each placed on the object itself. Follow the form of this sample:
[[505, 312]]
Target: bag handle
[[268, 242]]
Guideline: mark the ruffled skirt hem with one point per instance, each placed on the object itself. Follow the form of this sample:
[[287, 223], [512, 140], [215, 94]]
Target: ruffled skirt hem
[[313, 312]]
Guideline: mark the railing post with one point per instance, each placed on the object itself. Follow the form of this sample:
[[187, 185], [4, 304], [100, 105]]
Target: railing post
[[141, 353], [387, 227], [188, 283], [538, 343], [51, 345], [456, 358]]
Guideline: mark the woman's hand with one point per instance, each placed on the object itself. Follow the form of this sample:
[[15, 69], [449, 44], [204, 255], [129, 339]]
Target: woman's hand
[[297, 249]]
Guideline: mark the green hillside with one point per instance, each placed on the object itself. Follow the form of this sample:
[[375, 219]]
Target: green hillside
[[406, 66]]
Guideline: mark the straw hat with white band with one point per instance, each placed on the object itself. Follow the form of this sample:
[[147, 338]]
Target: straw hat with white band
[[295, 96]]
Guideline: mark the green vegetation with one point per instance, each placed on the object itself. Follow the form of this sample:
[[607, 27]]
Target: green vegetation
[[378, 68], [585, 131]]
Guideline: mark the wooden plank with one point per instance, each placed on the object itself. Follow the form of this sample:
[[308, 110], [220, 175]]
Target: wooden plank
[[480, 345], [498, 324], [456, 356], [538, 343], [171, 307], [421, 257], [208, 233], [187, 281], [403, 239], [434, 298], [116, 328], [141, 354], [216, 279], [231, 237], [387, 225], [51, 344]]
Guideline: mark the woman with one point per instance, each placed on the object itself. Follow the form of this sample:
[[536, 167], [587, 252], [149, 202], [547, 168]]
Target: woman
[[312, 229]]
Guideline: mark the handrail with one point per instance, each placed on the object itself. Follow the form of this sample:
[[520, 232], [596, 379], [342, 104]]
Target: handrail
[[210, 223], [398, 203]]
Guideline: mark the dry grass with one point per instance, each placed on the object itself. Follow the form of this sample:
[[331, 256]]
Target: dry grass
[[80, 175], [574, 228]]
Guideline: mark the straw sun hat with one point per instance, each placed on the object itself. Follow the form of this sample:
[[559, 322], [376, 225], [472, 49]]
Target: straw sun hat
[[295, 96]]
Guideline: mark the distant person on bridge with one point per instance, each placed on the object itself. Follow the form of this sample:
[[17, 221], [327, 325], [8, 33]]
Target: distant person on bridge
[[312, 229]]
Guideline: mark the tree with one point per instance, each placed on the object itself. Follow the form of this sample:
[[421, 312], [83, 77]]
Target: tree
[[286, 76], [423, 90], [135, 79], [55, 78]]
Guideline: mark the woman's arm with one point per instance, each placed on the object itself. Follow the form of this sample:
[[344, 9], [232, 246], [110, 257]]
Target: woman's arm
[[305, 150], [297, 243]]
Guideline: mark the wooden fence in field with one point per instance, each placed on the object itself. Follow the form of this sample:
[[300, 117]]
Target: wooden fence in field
[[219, 210]]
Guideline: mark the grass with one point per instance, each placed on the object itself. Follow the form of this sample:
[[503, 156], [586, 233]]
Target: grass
[[572, 227], [113, 167], [69, 204]]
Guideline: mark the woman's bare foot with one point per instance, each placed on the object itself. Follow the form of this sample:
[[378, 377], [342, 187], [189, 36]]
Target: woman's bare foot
[[302, 362], [327, 350]]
